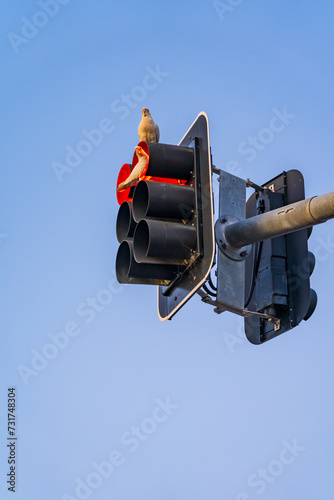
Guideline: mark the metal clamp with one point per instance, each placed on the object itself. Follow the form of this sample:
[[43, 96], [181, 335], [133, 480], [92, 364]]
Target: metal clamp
[[269, 318], [224, 246]]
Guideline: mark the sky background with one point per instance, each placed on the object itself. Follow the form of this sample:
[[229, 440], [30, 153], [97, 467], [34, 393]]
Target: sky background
[[232, 420]]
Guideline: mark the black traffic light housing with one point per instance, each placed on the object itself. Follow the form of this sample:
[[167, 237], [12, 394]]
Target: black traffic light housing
[[167, 236], [165, 222], [278, 269]]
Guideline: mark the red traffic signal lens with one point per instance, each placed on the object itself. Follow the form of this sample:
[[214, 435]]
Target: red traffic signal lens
[[124, 173]]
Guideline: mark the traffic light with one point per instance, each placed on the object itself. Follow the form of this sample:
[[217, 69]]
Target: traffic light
[[278, 270], [167, 235], [165, 222]]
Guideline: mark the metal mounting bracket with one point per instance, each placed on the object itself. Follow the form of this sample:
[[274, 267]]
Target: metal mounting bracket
[[228, 250]]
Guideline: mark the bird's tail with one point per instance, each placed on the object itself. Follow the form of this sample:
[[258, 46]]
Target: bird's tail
[[121, 187]]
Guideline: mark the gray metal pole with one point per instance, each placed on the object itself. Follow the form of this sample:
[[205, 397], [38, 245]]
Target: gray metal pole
[[284, 220]]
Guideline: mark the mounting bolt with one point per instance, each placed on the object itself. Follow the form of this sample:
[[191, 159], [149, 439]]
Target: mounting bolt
[[223, 220], [243, 253]]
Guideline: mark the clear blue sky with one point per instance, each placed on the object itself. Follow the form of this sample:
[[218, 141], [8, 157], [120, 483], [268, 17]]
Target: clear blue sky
[[127, 407]]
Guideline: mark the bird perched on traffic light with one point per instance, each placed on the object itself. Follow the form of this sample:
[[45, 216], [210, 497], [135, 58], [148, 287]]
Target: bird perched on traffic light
[[138, 171], [148, 130]]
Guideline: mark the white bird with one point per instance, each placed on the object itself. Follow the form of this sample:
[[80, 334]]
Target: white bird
[[138, 171], [148, 130]]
